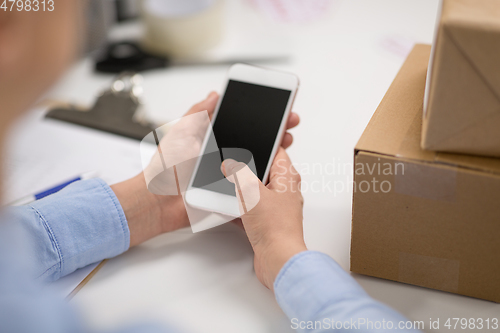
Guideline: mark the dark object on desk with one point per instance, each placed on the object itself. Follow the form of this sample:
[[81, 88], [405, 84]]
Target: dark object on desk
[[115, 111], [126, 10], [128, 56]]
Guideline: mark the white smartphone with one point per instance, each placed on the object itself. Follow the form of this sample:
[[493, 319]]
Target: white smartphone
[[248, 125]]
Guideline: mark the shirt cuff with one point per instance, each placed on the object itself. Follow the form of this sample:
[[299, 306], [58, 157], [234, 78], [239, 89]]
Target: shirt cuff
[[309, 282], [85, 224]]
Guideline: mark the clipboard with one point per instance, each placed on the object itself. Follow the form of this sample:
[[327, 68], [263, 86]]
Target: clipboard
[[117, 110]]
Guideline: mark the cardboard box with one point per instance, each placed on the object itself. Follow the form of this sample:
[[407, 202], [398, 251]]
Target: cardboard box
[[420, 217], [462, 107]]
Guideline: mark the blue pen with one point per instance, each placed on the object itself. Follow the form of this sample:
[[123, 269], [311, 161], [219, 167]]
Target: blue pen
[[30, 198]]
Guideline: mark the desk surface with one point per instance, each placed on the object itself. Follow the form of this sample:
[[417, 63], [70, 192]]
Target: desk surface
[[205, 282]]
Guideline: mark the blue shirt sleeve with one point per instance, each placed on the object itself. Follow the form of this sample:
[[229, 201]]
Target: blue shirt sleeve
[[79, 225], [52, 237], [317, 295]]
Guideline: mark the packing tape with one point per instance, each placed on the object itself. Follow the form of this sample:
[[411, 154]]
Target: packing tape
[[426, 181], [430, 272]]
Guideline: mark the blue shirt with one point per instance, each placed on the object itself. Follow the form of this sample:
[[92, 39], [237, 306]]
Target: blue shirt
[[84, 223]]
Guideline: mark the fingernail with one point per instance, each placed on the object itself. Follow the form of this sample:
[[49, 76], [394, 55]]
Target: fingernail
[[227, 166]]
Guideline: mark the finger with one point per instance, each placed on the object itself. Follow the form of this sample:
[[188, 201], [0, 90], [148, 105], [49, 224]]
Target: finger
[[287, 140], [247, 185], [208, 104], [293, 120]]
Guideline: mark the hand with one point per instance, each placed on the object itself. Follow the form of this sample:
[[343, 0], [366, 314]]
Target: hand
[[274, 224], [148, 214]]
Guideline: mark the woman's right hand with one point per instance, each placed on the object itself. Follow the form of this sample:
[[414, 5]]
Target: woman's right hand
[[274, 223]]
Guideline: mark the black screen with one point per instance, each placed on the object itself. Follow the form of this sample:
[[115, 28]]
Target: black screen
[[249, 117]]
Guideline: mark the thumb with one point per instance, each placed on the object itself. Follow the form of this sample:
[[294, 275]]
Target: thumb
[[247, 186]]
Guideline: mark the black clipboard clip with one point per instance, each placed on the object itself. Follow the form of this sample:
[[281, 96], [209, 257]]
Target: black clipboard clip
[[117, 110]]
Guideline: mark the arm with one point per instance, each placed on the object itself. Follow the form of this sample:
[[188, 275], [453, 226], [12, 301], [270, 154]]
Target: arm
[[309, 286], [89, 221], [81, 224], [312, 287], [25, 306]]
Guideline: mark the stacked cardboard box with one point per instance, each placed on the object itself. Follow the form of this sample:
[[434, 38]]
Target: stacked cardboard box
[[462, 105], [421, 217]]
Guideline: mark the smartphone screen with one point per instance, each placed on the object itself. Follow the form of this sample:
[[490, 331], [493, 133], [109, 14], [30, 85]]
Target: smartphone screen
[[249, 117]]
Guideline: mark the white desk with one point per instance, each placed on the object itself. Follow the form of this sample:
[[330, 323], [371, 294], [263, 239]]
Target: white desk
[[205, 282]]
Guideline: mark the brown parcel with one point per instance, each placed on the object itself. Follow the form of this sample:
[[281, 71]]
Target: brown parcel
[[463, 103], [438, 225]]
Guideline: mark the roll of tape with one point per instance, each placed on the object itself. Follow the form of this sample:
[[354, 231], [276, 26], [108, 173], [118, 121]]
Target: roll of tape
[[182, 28]]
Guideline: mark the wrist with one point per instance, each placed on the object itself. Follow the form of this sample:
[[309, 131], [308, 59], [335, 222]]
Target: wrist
[[275, 256], [141, 209]]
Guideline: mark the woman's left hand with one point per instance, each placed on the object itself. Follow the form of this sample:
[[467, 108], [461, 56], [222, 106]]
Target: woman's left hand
[[148, 214]]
